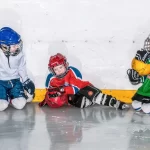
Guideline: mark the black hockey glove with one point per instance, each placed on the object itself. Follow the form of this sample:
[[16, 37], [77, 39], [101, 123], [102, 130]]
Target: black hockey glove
[[29, 86], [134, 77], [58, 89], [55, 91], [142, 55]]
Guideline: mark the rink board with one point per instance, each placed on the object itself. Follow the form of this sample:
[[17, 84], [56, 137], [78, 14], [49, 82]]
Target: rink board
[[122, 95]]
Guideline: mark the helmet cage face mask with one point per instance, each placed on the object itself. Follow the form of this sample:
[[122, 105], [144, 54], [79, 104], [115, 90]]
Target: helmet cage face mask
[[7, 49], [62, 75], [57, 60], [147, 44]]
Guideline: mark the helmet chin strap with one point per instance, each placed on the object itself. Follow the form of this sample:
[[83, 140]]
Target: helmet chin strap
[[8, 60], [62, 75]]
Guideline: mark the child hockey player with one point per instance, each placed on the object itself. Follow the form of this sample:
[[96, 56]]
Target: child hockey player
[[12, 69], [140, 73], [65, 85]]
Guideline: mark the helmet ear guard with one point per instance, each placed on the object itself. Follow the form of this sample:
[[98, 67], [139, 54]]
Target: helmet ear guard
[[51, 70], [5, 49]]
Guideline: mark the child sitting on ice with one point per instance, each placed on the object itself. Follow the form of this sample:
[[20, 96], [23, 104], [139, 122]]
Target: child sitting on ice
[[65, 85]]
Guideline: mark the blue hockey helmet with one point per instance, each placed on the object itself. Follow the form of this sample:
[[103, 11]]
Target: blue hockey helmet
[[10, 37]]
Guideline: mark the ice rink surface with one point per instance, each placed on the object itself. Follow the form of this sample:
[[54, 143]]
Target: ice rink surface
[[70, 128]]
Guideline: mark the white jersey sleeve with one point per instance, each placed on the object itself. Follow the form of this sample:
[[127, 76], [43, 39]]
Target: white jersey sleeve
[[22, 69]]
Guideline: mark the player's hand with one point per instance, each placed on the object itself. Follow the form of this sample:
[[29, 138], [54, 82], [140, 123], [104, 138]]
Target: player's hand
[[133, 76], [55, 91], [142, 55]]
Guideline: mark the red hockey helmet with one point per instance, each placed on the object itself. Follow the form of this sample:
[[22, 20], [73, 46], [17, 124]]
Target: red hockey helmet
[[58, 101], [56, 60]]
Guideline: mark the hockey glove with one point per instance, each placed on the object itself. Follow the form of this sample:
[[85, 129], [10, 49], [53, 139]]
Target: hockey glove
[[29, 86], [134, 77], [55, 91], [142, 55]]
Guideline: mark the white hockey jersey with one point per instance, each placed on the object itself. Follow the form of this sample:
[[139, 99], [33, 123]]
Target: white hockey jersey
[[17, 68]]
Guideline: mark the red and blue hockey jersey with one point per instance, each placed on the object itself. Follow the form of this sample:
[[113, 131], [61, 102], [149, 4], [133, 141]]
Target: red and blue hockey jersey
[[72, 81]]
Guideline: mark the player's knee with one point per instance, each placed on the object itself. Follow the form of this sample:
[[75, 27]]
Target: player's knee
[[136, 105], [90, 92], [3, 104], [19, 103], [146, 108]]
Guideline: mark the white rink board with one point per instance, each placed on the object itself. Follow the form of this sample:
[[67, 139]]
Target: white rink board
[[99, 37]]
